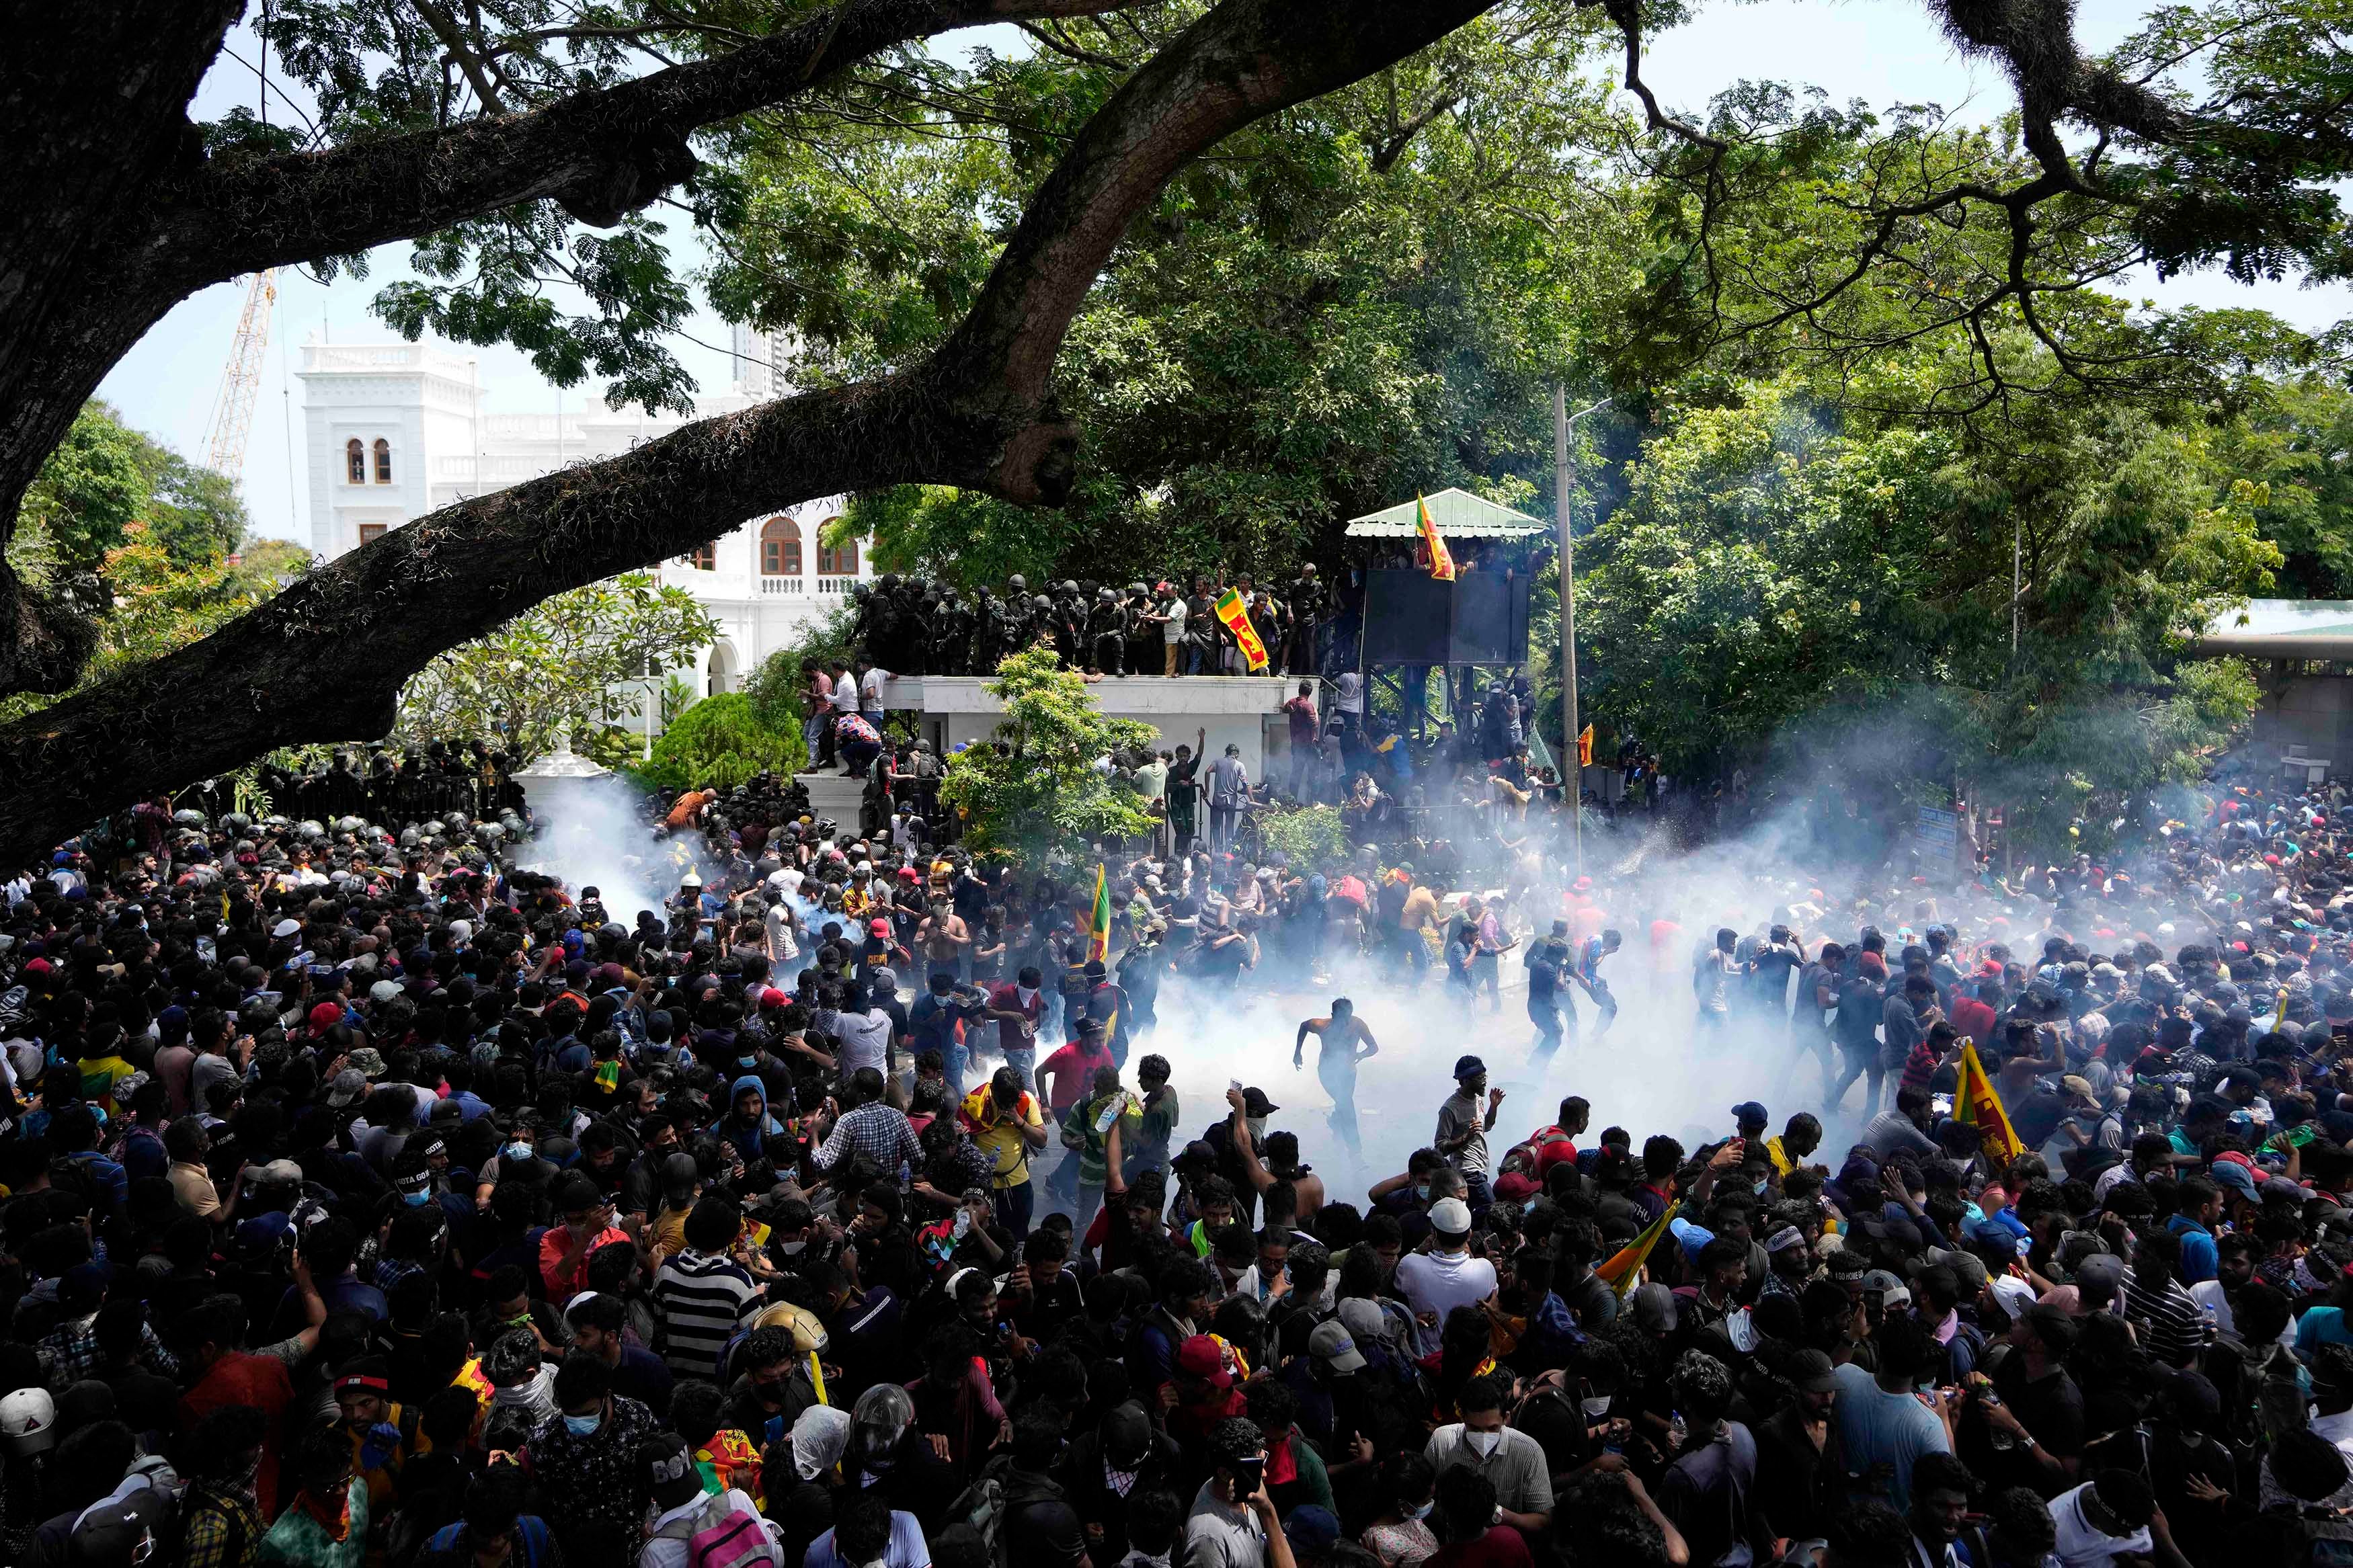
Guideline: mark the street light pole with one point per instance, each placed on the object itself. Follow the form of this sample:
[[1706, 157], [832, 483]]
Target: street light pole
[[1572, 774]]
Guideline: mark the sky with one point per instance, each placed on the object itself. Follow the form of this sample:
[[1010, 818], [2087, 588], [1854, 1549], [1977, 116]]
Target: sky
[[1879, 52]]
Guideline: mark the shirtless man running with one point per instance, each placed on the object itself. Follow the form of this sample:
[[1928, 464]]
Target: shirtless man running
[[1338, 1037]]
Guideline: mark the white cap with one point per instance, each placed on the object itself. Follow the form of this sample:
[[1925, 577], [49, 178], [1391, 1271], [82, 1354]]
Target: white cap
[[286, 928], [1450, 1216], [28, 1420]]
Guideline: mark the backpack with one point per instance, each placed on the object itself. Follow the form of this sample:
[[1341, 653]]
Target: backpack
[[721, 1535], [982, 1506]]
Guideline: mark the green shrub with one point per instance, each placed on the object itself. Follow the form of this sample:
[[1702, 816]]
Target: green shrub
[[720, 743]]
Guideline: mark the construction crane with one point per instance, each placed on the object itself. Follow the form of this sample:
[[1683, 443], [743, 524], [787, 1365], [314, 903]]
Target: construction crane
[[241, 379]]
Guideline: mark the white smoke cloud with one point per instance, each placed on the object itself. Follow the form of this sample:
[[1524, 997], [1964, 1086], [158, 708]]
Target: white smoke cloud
[[593, 833]]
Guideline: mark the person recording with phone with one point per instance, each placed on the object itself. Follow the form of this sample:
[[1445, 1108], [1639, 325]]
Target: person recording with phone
[[1233, 1524]]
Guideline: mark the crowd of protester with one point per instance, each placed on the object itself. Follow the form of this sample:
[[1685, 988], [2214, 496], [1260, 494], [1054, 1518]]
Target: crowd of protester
[[371, 1202]]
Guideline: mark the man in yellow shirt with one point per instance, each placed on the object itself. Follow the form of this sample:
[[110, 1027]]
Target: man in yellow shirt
[[1800, 1138], [103, 1066], [1004, 1119]]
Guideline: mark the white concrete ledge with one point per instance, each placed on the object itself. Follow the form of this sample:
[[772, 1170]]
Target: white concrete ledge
[[1148, 697]]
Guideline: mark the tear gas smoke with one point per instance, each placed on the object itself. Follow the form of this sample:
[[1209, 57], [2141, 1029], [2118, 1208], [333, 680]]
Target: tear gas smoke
[[1648, 1073], [594, 834]]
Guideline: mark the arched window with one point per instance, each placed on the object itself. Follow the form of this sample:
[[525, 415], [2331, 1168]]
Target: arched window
[[780, 548], [382, 461], [354, 462], [835, 561], [704, 557]]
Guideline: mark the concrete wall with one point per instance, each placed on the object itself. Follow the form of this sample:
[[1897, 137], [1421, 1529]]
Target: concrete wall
[[1244, 711]]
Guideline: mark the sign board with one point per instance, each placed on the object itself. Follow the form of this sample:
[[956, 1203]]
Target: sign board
[[1937, 835]]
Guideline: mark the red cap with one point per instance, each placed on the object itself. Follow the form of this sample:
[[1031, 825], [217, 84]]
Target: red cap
[[325, 1017], [1201, 1357], [879, 926]]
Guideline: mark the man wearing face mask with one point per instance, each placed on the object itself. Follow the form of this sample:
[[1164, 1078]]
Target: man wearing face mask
[[592, 1490], [773, 1388], [1508, 1457], [1016, 1010]]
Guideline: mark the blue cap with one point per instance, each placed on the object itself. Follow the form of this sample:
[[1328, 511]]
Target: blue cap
[[262, 1233], [1312, 1528], [1469, 1067]]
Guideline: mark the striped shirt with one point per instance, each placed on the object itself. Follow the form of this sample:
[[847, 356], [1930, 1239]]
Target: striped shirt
[[700, 1297], [2172, 1327]]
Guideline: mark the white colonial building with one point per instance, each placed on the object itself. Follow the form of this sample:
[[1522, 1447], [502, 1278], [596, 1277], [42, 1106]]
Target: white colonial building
[[395, 430]]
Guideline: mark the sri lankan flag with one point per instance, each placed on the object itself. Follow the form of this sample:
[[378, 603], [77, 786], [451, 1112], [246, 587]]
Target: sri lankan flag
[[1624, 1271], [1236, 615], [1099, 921], [1585, 748], [1975, 1104], [1442, 564]]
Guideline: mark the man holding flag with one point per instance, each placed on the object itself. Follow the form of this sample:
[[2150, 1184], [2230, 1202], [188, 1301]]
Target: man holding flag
[[1975, 1104], [1099, 920]]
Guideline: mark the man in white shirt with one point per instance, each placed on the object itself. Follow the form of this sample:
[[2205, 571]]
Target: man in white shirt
[[865, 1037], [1434, 1283], [870, 694], [1172, 623]]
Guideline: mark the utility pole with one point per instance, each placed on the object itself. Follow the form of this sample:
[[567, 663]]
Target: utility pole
[[1572, 774], [2017, 581]]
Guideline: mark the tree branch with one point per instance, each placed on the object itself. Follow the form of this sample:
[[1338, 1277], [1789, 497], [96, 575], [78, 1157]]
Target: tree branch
[[601, 154], [325, 659]]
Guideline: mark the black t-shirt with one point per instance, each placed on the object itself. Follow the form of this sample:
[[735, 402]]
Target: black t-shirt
[[2052, 1408]]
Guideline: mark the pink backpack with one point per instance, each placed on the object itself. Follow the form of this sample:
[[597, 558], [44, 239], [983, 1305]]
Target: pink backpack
[[724, 1533]]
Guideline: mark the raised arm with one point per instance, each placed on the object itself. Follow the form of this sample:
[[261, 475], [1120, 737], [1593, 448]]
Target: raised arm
[[1238, 1128]]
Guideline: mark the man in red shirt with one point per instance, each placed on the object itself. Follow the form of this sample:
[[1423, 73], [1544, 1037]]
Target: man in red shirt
[[587, 1225], [1016, 1009], [1064, 1080], [1551, 1145], [1065, 1077], [225, 1375], [1973, 1009]]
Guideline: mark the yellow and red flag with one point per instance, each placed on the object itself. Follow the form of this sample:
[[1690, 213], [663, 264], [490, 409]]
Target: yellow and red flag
[[1585, 747], [1442, 563], [1976, 1103], [1624, 1271], [1236, 615], [1099, 921]]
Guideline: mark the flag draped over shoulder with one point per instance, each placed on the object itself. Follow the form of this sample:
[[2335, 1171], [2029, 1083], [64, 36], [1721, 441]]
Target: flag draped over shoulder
[[1099, 920], [1975, 1104], [1236, 615], [1442, 563], [1624, 1271]]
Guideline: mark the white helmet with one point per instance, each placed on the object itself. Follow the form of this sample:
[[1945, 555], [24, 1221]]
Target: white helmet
[[28, 1421]]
